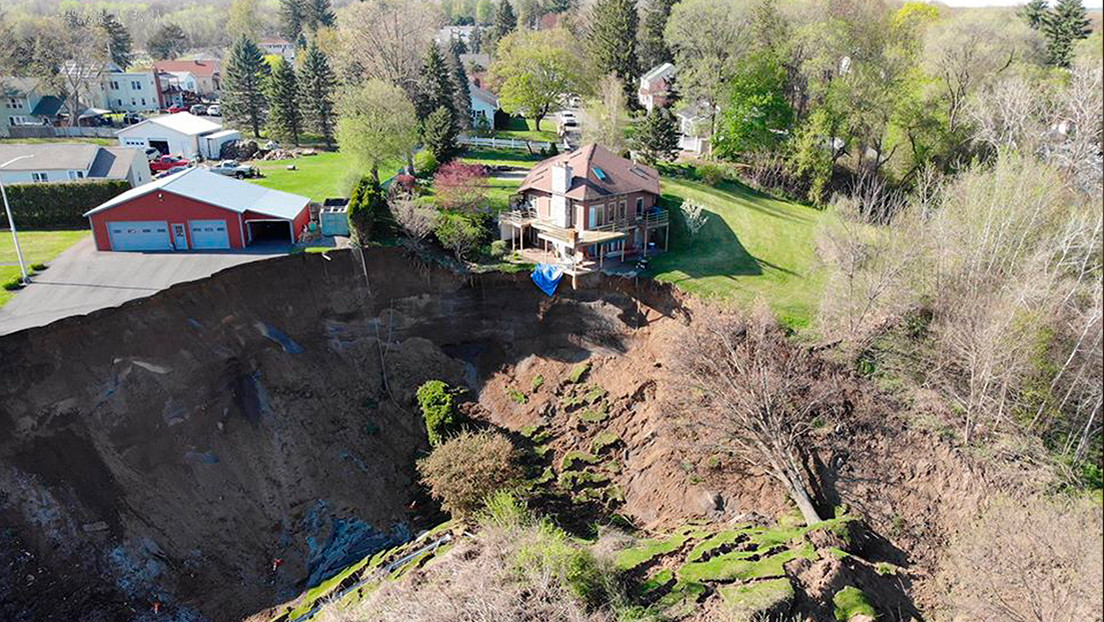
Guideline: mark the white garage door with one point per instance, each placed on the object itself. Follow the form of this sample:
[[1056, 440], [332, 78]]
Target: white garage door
[[209, 234], [139, 235]]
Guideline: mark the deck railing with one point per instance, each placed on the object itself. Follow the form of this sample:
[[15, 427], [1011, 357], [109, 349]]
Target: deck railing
[[649, 220]]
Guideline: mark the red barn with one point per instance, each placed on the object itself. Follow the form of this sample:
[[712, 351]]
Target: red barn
[[197, 210]]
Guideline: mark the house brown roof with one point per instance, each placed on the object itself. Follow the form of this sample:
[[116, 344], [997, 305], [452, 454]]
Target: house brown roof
[[596, 172], [199, 68]]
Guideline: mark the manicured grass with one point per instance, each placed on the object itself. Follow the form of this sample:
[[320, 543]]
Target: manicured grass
[[328, 174], [500, 157], [38, 247], [526, 129], [752, 246]]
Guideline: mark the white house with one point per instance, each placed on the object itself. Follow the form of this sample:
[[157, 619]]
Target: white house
[[181, 133], [277, 46], [483, 106], [63, 162], [24, 102], [655, 86], [131, 91], [695, 128]]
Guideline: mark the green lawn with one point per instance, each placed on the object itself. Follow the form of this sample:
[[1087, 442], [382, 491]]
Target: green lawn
[[752, 246], [500, 157], [328, 174], [38, 247], [526, 129]]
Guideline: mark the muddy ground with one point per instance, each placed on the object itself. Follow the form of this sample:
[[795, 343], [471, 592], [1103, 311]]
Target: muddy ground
[[209, 452]]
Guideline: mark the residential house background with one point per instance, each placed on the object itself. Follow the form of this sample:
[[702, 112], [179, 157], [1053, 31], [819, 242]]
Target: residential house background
[[65, 162], [24, 103]]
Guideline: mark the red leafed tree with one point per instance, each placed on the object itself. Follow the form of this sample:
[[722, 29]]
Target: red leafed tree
[[461, 186]]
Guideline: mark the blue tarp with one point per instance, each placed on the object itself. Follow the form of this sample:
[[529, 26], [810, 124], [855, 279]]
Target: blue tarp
[[547, 276]]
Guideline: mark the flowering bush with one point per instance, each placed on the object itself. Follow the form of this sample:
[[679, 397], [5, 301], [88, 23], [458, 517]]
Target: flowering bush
[[461, 186]]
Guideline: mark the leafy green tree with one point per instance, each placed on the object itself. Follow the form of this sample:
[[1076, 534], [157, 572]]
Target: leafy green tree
[[367, 207], [439, 134], [657, 136], [1034, 12], [377, 124], [756, 110], [292, 15], [1063, 27], [316, 88], [461, 92], [813, 159], [505, 21], [459, 232], [611, 41], [243, 96], [318, 14], [245, 20], [168, 41], [118, 39], [484, 12], [533, 70], [435, 85], [284, 118], [653, 48]]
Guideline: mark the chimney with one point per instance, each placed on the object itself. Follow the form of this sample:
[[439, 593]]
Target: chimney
[[561, 178]]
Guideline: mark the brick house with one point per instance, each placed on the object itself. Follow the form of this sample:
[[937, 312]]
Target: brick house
[[587, 204]]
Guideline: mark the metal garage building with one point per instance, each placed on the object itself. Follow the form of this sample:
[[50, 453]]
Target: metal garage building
[[197, 210], [181, 133]]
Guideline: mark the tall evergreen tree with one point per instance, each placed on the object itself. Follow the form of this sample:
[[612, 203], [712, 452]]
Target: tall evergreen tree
[[505, 21], [435, 86], [284, 118], [118, 39], [1064, 26], [653, 48], [611, 39], [292, 16], [461, 92], [243, 97], [168, 41], [657, 136], [1035, 13], [317, 14], [317, 83], [439, 134]]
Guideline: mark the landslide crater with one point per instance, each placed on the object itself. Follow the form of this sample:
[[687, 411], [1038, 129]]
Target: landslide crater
[[213, 450]]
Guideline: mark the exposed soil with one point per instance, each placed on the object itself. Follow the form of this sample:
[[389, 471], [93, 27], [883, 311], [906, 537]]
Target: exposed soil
[[165, 454]]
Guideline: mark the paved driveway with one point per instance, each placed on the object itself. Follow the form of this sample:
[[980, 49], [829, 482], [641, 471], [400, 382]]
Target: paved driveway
[[82, 280]]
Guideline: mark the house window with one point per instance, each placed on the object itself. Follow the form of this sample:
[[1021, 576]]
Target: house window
[[76, 174], [15, 103], [135, 85], [38, 177], [143, 101], [639, 206], [114, 85], [623, 211], [17, 120]]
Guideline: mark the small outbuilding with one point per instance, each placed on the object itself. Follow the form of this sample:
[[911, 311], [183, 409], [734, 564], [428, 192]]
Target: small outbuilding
[[180, 134], [198, 210]]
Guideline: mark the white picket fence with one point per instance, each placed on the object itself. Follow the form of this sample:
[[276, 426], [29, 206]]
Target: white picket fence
[[503, 143]]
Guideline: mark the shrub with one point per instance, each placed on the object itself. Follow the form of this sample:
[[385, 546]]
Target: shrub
[[460, 233], [58, 205], [461, 186], [367, 206], [438, 406], [712, 174], [38, 267], [464, 471], [498, 249], [406, 183], [14, 284], [425, 163]]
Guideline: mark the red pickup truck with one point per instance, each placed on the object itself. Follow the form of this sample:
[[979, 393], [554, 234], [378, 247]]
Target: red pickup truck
[[166, 162]]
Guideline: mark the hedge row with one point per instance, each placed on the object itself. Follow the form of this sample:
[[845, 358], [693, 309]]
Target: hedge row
[[58, 204]]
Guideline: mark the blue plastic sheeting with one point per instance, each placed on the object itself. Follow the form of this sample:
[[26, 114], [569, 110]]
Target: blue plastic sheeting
[[547, 276]]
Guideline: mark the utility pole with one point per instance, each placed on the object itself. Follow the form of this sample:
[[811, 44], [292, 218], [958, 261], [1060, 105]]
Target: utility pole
[[11, 219]]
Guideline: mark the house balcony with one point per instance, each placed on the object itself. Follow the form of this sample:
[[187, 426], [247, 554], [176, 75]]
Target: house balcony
[[615, 229]]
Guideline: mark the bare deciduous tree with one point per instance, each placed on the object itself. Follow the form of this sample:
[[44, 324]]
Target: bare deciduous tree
[[694, 215], [387, 40], [415, 219], [1033, 561], [756, 396]]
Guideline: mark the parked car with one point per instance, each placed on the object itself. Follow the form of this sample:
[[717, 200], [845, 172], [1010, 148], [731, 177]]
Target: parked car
[[152, 153], [172, 171], [233, 168], [166, 162], [176, 109], [198, 109], [214, 110]]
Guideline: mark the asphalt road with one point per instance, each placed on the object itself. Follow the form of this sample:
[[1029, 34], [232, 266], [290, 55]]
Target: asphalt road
[[82, 280]]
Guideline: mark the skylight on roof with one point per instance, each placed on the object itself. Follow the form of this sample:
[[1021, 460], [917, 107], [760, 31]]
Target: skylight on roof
[[600, 173]]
